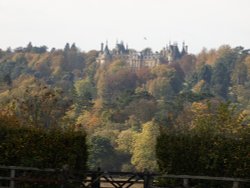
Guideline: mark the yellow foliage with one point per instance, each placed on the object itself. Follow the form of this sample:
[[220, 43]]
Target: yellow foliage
[[17, 56], [23, 81], [126, 140], [8, 118], [32, 58], [42, 62], [197, 88], [162, 70], [116, 66], [144, 155], [206, 57], [199, 107], [98, 105], [57, 61], [247, 63]]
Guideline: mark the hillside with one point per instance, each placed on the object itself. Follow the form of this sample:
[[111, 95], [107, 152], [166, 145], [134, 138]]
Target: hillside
[[122, 109]]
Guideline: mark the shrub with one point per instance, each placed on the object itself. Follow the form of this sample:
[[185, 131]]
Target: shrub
[[42, 148], [218, 154]]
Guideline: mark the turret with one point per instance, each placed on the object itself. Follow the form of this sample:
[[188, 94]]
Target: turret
[[102, 45], [184, 48]]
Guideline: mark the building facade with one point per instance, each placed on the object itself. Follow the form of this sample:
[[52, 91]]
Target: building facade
[[144, 58]]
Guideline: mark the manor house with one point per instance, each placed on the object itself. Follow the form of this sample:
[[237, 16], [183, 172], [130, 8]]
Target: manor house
[[144, 58]]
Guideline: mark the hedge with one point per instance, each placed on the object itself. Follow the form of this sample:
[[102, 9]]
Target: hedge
[[204, 154], [42, 148]]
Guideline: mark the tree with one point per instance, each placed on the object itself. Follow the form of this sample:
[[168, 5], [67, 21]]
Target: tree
[[101, 154], [143, 75], [67, 47], [144, 148], [85, 94], [205, 73], [239, 75], [125, 144], [214, 143], [39, 105], [166, 82], [126, 140], [161, 88], [116, 88], [211, 117], [220, 80], [142, 109], [7, 79], [187, 64], [29, 47]]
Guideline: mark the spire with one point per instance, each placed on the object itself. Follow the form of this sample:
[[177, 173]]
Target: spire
[[106, 49]]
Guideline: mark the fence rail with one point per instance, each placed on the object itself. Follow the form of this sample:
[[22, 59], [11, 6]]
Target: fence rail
[[186, 178], [93, 179]]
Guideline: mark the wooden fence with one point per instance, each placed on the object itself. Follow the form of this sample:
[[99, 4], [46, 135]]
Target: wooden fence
[[11, 176]]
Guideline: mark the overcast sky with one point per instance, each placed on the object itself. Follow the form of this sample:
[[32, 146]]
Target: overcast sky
[[200, 23]]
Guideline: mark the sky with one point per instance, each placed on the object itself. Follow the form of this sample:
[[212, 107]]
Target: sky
[[139, 23]]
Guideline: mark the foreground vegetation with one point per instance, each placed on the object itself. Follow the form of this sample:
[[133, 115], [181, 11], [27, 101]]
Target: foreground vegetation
[[37, 147], [216, 145]]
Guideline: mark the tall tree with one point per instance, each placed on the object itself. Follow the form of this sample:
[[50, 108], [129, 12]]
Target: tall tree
[[144, 148]]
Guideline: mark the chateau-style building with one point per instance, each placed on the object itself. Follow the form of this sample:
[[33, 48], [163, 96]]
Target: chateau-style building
[[144, 58]]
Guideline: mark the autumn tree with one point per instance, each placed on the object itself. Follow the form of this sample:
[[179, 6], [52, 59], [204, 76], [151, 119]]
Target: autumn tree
[[187, 64], [39, 105], [144, 148]]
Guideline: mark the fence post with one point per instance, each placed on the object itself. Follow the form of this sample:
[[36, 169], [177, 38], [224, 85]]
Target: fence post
[[65, 175], [12, 176], [235, 184], [185, 183], [95, 178], [147, 179]]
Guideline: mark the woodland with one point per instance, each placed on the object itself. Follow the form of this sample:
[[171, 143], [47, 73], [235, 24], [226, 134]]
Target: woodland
[[153, 118]]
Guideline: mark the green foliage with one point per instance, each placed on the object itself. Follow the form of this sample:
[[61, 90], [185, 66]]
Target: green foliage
[[102, 154], [205, 73], [221, 80], [161, 88], [204, 154], [85, 93], [216, 143], [142, 109], [34, 147]]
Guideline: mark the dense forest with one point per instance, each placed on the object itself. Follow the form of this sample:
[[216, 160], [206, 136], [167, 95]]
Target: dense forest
[[124, 110]]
